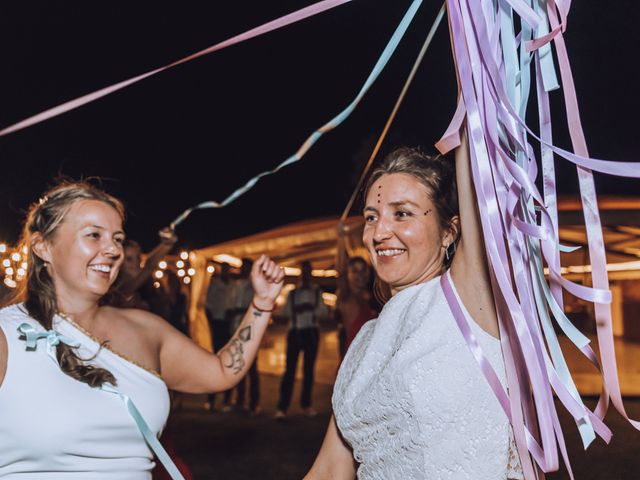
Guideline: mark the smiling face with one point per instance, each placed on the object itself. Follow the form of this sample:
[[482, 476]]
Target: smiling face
[[402, 231], [85, 252]]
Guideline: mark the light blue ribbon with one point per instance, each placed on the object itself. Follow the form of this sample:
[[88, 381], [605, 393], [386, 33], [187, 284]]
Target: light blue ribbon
[[149, 436], [327, 127], [52, 338], [545, 299], [549, 76]]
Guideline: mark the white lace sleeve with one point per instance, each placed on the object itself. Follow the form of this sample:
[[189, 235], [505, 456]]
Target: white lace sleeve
[[514, 467]]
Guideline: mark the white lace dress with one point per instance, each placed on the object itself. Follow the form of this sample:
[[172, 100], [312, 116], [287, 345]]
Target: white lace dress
[[411, 400]]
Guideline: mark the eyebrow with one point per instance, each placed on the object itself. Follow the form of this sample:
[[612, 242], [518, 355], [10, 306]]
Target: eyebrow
[[400, 203], [102, 228], [368, 207]]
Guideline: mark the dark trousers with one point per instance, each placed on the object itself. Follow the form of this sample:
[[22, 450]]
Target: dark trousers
[[297, 340], [254, 387], [221, 335]]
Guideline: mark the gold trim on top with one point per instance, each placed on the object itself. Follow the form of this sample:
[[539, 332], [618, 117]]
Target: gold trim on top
[[105, 344]]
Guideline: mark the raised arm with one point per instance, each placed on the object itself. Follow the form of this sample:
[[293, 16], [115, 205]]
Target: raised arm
[[168, 239], [469, 269], [188, 368], [335, 459]]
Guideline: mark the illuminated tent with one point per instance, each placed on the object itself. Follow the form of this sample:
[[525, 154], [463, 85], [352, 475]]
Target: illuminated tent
[[312, 240], [316, 241]]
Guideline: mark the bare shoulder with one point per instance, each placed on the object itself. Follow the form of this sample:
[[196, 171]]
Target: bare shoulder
[[135, 315], [136, 320], [135, 334]]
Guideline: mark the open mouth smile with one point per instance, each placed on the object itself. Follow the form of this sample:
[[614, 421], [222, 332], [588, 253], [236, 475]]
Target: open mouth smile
[[102, 268], [390, 252]]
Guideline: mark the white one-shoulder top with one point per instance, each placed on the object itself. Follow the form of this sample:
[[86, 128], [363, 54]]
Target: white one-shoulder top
[[54, 427]]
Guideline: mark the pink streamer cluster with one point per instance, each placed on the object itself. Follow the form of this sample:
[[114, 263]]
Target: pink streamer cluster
[[504, 169]]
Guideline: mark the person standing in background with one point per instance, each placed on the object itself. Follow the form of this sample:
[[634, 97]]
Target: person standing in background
[[355, 304], [304, 309]]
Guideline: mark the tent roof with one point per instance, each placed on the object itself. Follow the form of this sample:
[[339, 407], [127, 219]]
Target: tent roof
[[312, 240]]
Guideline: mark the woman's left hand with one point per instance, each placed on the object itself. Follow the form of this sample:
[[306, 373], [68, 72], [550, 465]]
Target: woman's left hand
[[267, 278]]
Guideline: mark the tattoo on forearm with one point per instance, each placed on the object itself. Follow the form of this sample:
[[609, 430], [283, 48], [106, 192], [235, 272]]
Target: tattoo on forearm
[[234, 351], [257, 313]]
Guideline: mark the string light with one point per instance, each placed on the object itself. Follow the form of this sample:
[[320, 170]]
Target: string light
[[230, 259], [15, 256], [324, 273], [181, 273], [292, 271], [6, 262], [211, 269], [187, 280], [162, 265], [3, 247], [184, 255], [191, 272], [159, 274], [9, 271], [180, 264], [156, 284]]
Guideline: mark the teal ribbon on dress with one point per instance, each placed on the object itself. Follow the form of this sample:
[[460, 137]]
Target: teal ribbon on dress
[[153, 442], [52, 338]]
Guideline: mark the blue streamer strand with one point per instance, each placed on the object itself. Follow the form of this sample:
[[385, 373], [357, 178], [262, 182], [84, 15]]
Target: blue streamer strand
[[327, 127]]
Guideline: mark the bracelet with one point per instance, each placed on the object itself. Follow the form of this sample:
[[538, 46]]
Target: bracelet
[[262, 310]]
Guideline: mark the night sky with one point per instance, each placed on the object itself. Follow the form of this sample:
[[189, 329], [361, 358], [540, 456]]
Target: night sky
[[198, 131]]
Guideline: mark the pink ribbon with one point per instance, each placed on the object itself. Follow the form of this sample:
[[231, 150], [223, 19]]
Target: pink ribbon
[[504, 170], [280, 22], [594, 229]]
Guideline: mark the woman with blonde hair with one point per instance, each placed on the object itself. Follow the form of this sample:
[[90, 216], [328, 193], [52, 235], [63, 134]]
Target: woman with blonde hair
[[83, 386]]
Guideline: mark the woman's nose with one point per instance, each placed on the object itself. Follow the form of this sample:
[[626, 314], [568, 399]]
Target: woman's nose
[[113, 248], [382, 230]]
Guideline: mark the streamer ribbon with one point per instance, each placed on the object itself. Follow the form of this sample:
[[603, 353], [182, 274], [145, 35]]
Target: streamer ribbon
[[520, 226], [280, 22], [327, 127]]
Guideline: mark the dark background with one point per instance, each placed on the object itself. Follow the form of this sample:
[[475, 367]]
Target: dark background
[[200, 130]]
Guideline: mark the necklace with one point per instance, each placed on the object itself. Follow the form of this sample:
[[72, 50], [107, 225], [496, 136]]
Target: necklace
[[105, 344]]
